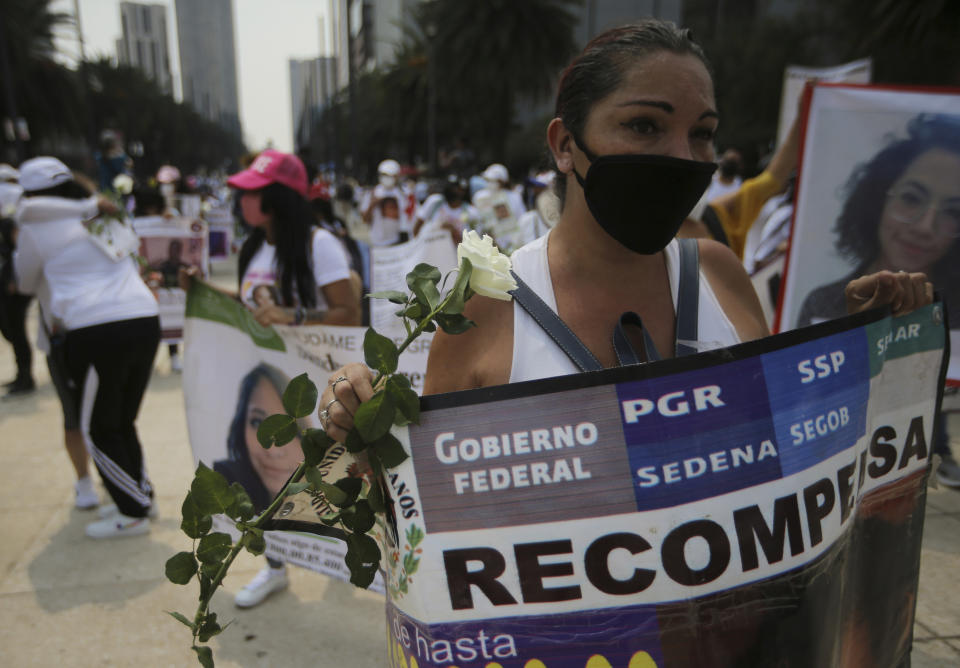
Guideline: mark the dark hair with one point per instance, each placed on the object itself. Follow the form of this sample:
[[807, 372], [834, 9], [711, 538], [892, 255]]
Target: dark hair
[[236, 436], [68, 190], [599, 70], [292, 235], [866, 194]]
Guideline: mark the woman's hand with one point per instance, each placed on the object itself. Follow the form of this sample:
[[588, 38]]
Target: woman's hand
[[347, 388], [107, 207], [902, 291], [271, 314]]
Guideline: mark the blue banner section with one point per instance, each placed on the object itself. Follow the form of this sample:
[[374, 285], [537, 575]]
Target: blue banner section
[[627, 636], [699, 434], [818, 396]]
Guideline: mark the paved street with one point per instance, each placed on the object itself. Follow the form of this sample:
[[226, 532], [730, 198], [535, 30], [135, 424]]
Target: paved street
[[66, 600]]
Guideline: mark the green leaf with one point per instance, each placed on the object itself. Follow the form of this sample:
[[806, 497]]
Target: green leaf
[[254, 543], [457, 292], [423, 282], [423, 271], [210, 491], [314, 444], [390, 451], [351, 487], [374, 417], [414, 311], [354, 442], [430, 327], [364, 547], [208, 628], [195, 523], [379, 352], [314, 477], [363, 576], [181, 568], [180, 618], [394, 296], [210, 570], [330, 520], [214, 547], [407, 401], [297, 487], [300, 397], [375, 498], [204, 655], [454, 324], [278, 429], [242, 508], [363, 518], [332, 493]]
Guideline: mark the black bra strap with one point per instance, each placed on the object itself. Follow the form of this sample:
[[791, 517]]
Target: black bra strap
[[555, 328]]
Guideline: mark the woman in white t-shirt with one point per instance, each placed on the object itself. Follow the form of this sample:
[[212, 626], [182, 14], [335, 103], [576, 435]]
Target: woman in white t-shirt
[[302, 268], [291, 272]]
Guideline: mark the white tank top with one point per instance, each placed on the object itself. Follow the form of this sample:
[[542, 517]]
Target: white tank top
[[535, 355]]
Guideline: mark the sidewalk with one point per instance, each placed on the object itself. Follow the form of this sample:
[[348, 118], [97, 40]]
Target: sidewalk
[[69, 601]]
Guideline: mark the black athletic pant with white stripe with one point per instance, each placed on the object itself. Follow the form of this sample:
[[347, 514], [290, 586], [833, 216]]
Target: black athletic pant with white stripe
[[111, 365]]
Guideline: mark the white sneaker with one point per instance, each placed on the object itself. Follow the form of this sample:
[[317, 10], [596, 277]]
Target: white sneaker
[[86, 495], [264, 583], [110, 509], [176, 364], [118, 526]]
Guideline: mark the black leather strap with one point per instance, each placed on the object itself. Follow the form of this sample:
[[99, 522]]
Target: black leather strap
[[688, 297], [626, 355], [555, 328]]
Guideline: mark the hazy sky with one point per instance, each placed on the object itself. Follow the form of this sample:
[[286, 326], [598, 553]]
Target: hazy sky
[[268, 34]]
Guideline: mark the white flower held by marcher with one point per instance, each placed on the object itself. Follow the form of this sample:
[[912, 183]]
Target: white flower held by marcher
[[123, 184], [491, 275]]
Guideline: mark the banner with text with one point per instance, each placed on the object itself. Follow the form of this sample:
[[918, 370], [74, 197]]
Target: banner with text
[[759, 505], [235, 371]]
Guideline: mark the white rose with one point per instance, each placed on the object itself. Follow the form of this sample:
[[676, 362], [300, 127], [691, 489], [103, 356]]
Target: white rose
[[491, 269], [123, 184]]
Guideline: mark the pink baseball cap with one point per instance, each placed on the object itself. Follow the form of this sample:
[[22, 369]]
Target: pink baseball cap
[[272, 167]]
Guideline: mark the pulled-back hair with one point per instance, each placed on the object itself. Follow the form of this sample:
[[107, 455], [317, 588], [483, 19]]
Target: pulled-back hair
[[600, 68]]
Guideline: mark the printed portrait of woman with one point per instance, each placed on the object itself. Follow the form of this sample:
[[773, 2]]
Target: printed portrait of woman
[[901, 212], [261, 471]]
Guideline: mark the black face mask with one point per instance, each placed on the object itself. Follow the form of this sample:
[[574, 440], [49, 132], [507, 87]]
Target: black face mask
[[641, 200]]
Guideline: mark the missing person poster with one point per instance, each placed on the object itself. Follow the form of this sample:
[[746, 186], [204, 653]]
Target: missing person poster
[[795, 77], [878, 188], [760, 505], [167, 245], [389, 266], [235, 371]]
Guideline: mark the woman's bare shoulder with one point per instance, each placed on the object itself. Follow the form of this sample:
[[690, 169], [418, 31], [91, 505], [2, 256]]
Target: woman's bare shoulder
[[733, 289], [480, 357]]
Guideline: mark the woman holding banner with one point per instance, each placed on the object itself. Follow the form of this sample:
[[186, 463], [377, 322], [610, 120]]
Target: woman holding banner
[[633, 144]]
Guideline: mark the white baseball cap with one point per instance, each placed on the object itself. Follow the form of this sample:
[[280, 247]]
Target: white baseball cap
[[8, 173], [42, 173], [389, 167], [496, 172]]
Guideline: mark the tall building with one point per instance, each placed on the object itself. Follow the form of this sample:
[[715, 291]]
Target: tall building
[[208, 63], [312, 84], [375, 29], [144, 42]]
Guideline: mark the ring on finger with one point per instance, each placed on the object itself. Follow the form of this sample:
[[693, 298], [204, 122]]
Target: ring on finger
[[324, 418], [339, 379], [326, 409]]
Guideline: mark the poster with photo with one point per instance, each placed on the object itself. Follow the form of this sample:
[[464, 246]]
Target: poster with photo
[[166, 245], [878, 188], [795, 76]]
